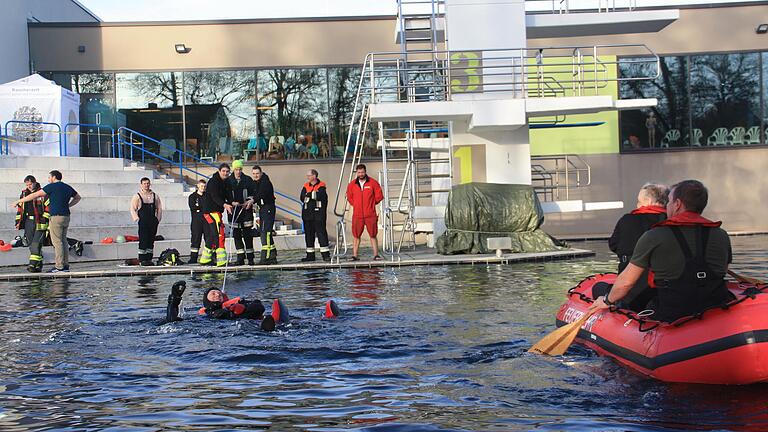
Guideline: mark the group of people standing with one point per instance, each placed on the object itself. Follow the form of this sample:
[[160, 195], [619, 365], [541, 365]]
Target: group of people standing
[[43, 213], [230, 190]]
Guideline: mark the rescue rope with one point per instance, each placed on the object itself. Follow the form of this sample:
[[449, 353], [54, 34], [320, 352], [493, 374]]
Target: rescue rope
[[226, 266], [485, 232]]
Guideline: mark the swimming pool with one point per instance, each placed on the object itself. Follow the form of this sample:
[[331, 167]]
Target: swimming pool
[[417, 348]]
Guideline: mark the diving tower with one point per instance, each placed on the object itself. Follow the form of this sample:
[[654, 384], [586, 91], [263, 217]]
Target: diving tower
[[456, 103]]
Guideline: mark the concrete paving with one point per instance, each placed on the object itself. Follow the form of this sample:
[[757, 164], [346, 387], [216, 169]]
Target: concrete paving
[[421, 256]]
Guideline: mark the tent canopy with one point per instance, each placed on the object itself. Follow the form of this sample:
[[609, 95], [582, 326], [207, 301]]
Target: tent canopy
[[34, 113]]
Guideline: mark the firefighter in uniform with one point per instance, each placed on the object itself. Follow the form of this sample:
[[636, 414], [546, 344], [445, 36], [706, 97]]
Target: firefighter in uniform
[[263, 194], [147, 210], [197, 224], [242, 220], [215, 201], [32, 217], [314, 199]]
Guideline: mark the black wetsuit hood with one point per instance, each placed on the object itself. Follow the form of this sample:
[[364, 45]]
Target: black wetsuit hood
[[210, 306]]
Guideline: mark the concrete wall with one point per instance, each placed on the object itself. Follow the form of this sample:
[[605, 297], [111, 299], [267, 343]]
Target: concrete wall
[[707, 29], [253, 44], [13, 41], [58, 11], [233, 45], [738, 193]]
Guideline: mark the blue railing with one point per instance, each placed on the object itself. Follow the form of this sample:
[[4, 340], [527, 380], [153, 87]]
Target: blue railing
[[7, 138], [4, 140], [135, 141]]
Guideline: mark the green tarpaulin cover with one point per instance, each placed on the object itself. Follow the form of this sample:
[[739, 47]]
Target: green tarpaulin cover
[[477, 211]]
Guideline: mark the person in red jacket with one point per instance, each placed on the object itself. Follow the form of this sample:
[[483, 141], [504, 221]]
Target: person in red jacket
[[363, 193]]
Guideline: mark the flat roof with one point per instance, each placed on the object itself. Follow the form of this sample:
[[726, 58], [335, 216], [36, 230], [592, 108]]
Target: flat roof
[[355, 17]]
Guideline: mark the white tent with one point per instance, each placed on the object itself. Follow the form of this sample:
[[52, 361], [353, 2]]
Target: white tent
[[34, 113]]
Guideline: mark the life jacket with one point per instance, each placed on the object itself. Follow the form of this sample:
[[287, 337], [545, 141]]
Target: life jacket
[[652, 209], [697, 288], [314, 200], [688, 218], [233, 305], [40, 209]]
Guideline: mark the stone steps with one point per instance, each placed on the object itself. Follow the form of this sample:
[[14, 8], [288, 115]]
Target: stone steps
[[122, 251], [170, 231], [93, 176], [96, 233], [108, 204], [62, 164], [81, 218], [164, 189], [107, 186]]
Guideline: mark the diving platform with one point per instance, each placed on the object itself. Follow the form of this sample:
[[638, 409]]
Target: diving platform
[[422, 256], [500, 114]]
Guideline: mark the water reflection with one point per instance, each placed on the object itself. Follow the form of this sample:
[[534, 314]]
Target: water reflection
[[417, 348]]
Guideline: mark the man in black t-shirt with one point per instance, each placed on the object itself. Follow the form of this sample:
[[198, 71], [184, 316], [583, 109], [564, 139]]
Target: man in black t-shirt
[[688, 254]]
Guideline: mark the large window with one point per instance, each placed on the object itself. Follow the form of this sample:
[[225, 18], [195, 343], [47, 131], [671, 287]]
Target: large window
[[222, 115], [703, 101], [220, 112], [666, 124], [151, 104], [725, 98], [97, 107], [293, 111]]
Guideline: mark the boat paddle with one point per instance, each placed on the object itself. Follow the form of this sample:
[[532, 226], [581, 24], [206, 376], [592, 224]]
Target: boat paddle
[[746, 279], [557, 342]]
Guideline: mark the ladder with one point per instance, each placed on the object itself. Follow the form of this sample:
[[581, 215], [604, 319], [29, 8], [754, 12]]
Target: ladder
[[416, 163]]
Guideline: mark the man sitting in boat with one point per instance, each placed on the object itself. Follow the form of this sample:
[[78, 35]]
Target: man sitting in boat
[[650, 210], [688, 254]]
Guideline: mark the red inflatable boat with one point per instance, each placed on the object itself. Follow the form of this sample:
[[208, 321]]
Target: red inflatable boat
[[719, 346]]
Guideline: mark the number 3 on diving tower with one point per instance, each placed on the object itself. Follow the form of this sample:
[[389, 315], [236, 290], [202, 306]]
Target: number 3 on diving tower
[[467, 76]]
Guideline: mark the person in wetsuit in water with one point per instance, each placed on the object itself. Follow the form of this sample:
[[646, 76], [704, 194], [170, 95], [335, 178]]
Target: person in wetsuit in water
[[217, 305]]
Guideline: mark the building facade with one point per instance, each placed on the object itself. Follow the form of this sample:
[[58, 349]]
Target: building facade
[[289, 85]]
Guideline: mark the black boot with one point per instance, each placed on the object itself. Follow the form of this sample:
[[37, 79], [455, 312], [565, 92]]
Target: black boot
[[310, 257], [240, 259], [192, 258], [145, 260], [326, 256], [272, 257], [249, 256]]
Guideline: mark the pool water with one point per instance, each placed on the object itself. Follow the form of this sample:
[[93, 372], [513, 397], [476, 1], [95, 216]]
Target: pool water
[[416, 349]]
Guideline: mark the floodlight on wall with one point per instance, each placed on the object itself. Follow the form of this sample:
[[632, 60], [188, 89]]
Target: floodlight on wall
[[762, 29], [182, 49], [81, 48]]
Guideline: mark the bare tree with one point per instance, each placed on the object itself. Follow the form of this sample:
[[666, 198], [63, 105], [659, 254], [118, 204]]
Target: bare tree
[[93, 83]]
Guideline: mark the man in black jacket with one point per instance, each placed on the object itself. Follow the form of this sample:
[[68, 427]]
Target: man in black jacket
[[216, 200], [197, 224], [263, 194], [314, 199], [650, 210], [242, 220]]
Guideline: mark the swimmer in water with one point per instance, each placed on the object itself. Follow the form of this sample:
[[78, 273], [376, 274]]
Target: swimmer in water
[[217, 305]]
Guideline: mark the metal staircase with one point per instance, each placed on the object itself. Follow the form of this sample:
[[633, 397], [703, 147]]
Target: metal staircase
[[416, 163], [416, 174]]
